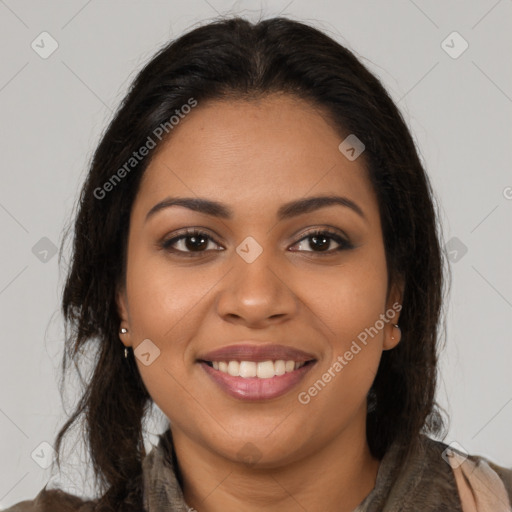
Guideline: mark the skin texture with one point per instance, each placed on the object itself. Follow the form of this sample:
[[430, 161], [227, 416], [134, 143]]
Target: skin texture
[[254, 156]]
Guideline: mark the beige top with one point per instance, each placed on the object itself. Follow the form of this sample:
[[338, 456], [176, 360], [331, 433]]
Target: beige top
[[434, 479]]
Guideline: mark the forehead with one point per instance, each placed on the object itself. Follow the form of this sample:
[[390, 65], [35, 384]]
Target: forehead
[[252, 154]]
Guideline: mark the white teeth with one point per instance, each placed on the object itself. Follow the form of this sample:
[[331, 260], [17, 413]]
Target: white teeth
[[234, 368], [280, 367], [265, 370], [247, 369], [262, 370]]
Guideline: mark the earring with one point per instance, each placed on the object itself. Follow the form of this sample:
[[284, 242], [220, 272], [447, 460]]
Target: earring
[[123, 330], [398, 327], [125, 353]]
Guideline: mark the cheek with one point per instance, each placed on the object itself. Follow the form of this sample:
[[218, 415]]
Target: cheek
[[351, 304], [163, 296], [350, 301], [165, 301]]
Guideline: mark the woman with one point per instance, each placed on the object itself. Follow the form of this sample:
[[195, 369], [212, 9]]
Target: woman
[[257, 253]]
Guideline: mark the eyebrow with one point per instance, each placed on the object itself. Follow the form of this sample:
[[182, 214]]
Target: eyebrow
[[286, 211]]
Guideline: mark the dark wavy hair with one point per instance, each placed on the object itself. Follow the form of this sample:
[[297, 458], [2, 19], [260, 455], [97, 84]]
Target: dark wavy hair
[[229, 59]]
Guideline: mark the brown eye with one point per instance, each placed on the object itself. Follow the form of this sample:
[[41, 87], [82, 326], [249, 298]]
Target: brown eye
[[189, 242], [321, 240]]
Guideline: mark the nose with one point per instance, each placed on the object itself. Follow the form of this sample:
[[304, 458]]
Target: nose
[[256, 294]]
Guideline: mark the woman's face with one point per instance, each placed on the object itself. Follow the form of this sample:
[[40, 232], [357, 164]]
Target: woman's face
[[258, 277]]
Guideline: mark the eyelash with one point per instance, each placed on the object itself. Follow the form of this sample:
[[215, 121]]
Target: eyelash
[[167, 244]]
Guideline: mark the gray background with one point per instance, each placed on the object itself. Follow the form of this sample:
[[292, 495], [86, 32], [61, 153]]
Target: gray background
[[53, 112]]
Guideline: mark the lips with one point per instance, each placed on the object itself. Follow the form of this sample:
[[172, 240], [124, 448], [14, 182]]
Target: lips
[[249, 387], [256, 353]]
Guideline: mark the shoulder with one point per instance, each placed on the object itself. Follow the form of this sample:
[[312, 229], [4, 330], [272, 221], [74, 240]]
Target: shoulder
[[505, 474], [474, 475], [485, 476], [53, 500]]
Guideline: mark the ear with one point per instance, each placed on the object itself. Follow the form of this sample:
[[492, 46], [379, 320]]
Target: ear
[[392, 334], [124, 315]]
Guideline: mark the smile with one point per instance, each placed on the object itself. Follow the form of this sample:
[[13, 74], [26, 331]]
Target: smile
[[262, 370], [251, 380]]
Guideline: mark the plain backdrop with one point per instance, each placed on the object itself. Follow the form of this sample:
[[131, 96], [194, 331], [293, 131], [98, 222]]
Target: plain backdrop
[[457, 101]]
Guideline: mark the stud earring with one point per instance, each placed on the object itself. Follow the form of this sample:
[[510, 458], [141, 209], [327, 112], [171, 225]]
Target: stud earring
[[398, 327], [123, 330]]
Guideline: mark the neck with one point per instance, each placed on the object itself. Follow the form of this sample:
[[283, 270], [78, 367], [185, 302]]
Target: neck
[[337, 477]]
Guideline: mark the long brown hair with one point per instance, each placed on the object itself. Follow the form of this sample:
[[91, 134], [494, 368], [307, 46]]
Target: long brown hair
[[233, 58]]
